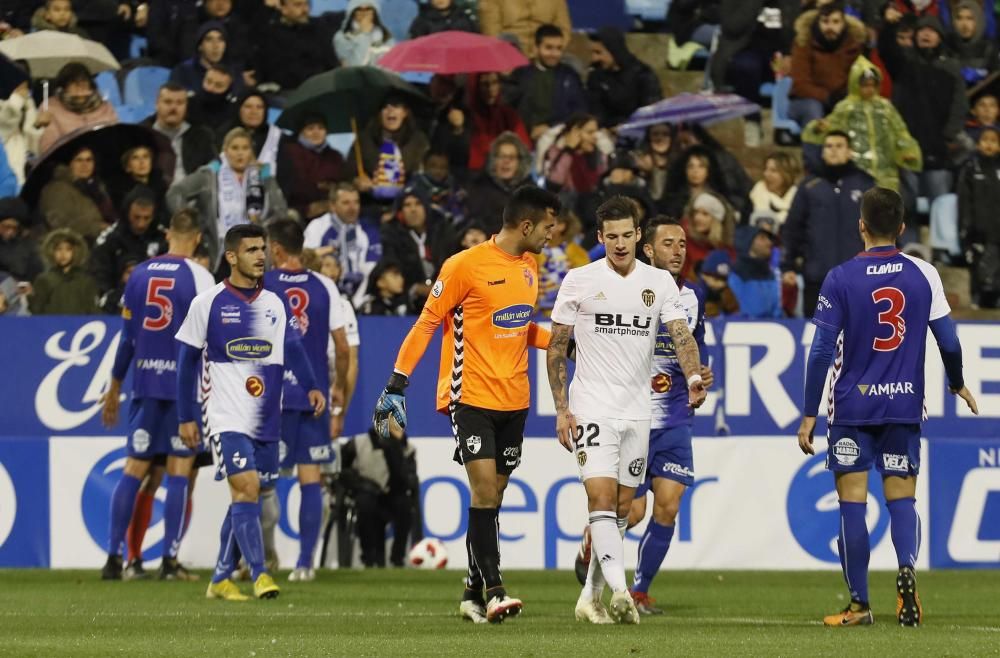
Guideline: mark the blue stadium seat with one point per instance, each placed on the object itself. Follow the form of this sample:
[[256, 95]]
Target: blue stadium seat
[[142, 84], [137, 47], [589, 16], [107, 85], [272, 114], [320, 7], [779, 107], [648, 10]]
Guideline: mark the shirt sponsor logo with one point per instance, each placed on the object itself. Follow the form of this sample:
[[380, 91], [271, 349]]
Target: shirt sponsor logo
[[160, 366], [254, 386], [891, 389], [884, 268], [648, 297], [249, 349], [846, 451], [498, 282], [616, 323], [896, 462], [163, 267], [661, 382], [512, 317]]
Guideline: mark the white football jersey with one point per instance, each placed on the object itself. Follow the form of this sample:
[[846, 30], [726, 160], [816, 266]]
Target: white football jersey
[[615, 320]]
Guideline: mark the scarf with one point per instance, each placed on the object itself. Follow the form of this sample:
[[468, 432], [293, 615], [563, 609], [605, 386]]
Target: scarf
[[236, 195], [309, 146], [389, 173], [269, 151], [84, 106]]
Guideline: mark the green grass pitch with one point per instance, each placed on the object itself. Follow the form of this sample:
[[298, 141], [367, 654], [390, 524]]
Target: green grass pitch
[[414, 613]]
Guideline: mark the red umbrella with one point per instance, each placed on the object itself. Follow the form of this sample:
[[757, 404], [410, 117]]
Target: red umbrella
[[453, 52]]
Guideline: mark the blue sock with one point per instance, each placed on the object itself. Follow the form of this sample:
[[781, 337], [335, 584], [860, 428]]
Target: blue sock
[[904, 524], [249, 536], [856, 549], [173, 513], [652, 549], [310, 517], [122, 504], [226, 563]]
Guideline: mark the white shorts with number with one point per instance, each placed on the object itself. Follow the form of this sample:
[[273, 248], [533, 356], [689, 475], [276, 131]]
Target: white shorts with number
[[611, 448]]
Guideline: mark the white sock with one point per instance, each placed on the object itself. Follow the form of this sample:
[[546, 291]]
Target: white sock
[[608, 549], [623, 527], [594, 587]]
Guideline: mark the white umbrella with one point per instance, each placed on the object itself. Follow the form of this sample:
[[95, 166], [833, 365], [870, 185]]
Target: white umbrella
[[48, 51]]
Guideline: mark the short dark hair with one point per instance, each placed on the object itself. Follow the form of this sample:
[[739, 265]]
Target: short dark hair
[[241, 232], [837, 133], [185, 221], [219, 68], [74, 72], [618, 207], [882, 212], [531, 203], [837, 6], [655, 222], [288, 233], [547, 31], [435, 153], [173, 87]]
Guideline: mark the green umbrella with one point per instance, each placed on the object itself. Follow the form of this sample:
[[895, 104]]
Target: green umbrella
[[343, 94]]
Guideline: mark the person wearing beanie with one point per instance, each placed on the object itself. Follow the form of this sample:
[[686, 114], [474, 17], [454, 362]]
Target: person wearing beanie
[[210, 50], [712, 285], [754, 279], [18, 251], [708, 221]]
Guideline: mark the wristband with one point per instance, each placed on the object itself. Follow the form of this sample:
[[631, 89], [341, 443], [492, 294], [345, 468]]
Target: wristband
[[397, 382], [694, 379]]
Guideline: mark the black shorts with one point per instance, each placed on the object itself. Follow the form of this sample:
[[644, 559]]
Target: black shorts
[[488, 434], [202, 459]]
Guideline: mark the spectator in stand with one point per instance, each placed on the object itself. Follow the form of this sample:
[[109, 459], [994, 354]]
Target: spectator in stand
[[239, 43], [292, 47], [735, 181], [210, 50], [979, 228], [342, 234], [776, 189], [386, 292], [21, 126], [622, 178], [308, 166], [140, 172], [473, 234], [694, 172], [546, 92], [228, 192], [176, 24], [436, 184], [709, 224], [57, 15], [619, 82], [752, 31], [111, 21], [490, 116], [559, 255], [653, 159], [193, 145], [821, 230], [441, 16], [214, 105], [985, 113], [692, 25], [523, 18], [449, 127], [712, 284], [77, 104], [929, 91], [827, 41], [8, 179], [975, 51], [362, 38], [507, 168], [392, 147], [419, 241], [252, 117], [65, 288], [881, 143], [573, 163], [76, 198], [18, 250], [131, 240], [754, 279]]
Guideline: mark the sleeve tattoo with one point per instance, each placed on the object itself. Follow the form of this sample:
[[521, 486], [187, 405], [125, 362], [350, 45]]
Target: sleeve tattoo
[[685, 346], [555, 360]]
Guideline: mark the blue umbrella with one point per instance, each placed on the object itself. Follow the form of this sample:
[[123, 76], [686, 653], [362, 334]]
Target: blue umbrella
[[688, 108]]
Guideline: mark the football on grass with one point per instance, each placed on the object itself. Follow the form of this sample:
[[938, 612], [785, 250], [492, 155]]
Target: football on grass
[[429, 553]]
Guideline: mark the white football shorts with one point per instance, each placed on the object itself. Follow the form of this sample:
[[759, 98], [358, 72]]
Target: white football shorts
[[612, 448]]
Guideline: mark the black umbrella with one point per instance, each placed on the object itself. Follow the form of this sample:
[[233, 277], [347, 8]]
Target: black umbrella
[[108, 142], [343, 94]]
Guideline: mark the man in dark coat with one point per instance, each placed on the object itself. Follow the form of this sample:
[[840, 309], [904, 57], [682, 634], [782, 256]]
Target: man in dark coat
[[128, 241], [619, 82], [193, 145], [821, 230], [441, 16], [19, 255], [507, 168], [293, 47]]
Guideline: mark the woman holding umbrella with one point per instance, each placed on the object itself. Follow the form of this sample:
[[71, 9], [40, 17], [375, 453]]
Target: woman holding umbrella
[[391, 149], [139, 170], [76, 198], [77, 104]]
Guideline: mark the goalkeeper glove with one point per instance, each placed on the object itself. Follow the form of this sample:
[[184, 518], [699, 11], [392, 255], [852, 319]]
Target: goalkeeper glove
[[392, 403]]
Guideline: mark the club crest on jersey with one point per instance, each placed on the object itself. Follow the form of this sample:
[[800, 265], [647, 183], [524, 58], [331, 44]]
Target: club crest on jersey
[[581, 458], [636, 466], [661, 382], [648, 297], [474, 444], [529, 278], [239, 460], [846, 451], [270, 316], [255, 386]]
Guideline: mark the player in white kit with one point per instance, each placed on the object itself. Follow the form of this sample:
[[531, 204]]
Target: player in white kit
[[613, 308]]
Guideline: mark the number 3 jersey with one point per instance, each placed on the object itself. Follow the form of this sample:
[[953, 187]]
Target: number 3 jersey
[[615, 320], [244, 341], [881, 301], [156, 300], [670, 391]]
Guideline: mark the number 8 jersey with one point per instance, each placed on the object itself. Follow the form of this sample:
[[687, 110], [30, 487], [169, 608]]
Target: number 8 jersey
[[881, 301]]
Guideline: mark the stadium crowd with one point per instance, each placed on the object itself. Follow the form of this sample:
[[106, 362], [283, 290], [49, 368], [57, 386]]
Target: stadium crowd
[[900, 92]]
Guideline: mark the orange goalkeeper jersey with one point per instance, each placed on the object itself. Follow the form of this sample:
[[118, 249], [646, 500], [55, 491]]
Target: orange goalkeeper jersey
[[484, 297]]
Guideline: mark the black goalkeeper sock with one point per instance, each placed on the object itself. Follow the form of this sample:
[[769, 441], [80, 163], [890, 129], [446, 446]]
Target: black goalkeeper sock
[[483, 538], [473, 579]]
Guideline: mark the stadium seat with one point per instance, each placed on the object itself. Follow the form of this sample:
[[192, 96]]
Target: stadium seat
[[648, 10], [779, 106], [142, 84], [272, 114], [137, 47], [589, 16], [107, 85], [320, 7]]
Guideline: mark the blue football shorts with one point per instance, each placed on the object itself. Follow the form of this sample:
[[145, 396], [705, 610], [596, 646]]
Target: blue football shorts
[[894, 449], [670, 457], [153, 430], [305, 438], [237, 453]]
